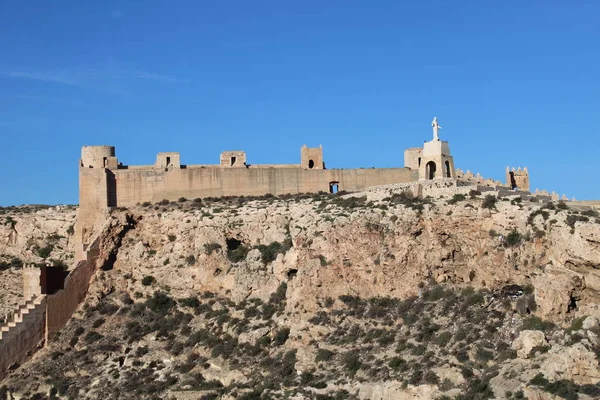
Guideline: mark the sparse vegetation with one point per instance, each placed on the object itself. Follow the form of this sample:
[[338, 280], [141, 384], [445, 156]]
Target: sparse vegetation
[[489, 202], [148, 280]]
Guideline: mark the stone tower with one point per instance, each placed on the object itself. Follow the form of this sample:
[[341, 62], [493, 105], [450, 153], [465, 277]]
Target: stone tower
[[434, 161], [517, 179], [97, 192], [312, 157]]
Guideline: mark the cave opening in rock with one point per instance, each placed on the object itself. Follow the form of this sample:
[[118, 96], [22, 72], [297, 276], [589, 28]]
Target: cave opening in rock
[[292, 273], [232, 243], [572, 303]]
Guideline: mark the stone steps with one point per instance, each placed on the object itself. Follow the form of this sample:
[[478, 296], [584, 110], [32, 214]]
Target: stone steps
[[25, 308]]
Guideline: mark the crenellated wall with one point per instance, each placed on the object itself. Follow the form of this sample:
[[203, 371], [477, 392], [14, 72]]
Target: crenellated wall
[[23, 333], [40, 316]]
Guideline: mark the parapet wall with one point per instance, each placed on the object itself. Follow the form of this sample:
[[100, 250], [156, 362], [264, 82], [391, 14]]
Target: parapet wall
[[134, 186], [62, 305], [23, 335]]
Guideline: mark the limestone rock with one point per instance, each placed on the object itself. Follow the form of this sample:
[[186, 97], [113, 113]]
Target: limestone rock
[[527, 341], [590, 323], [253, 336], [574, 363], [554, 290]]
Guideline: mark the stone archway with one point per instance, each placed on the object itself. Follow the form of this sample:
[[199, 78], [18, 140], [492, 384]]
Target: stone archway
[[430, 169], [334, 187]]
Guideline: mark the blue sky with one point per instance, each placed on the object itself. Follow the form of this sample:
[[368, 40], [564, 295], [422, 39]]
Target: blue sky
[[512, 83]]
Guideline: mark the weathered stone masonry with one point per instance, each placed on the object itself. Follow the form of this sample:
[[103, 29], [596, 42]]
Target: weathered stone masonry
[[104, 182]]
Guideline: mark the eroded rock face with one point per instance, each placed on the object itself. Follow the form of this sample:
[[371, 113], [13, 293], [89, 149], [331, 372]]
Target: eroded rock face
[[575, 363], [365, 250], [384, 248]]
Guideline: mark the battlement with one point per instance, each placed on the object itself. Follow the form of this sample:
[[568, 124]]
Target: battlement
[[517, 178], [98, 157], [469, 177]]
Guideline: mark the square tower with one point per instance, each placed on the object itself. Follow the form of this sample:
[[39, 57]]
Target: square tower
[[233, 159], [517, 179], [311, 157], [168, 161], [436, 161]]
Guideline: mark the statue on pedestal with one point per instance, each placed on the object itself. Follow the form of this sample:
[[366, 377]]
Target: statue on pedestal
[[436, 127]]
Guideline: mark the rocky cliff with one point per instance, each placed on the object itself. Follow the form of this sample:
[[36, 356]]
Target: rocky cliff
[[371, 295]]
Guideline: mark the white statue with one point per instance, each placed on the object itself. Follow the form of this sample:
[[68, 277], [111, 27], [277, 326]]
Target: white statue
[[436, 127]]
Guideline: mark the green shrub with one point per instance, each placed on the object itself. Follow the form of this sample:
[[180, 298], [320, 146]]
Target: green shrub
[[323, 260], [191, 302], [323, 355], [160, 303], [474, 193], [172, 238], [148, 280], [269, 253], [92, 337], [351, 362], [456, 198], [396, 363], [238, 254], [281, 336], [443, 338], [572, 219], [489, 202], [44, 252], [210, 247], [536, 324], [513, 238], [97, 323], [190, 260]]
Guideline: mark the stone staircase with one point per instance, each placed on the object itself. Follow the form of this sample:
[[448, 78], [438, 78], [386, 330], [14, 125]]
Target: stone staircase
[[25, 308]]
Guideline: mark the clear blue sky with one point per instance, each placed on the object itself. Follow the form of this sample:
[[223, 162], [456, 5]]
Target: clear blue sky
[[511, 82]]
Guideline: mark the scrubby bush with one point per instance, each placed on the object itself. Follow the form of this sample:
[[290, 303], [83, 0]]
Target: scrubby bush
[[190, 260], [351, 362], [323, 355], [210, 247], [238, 254], [489, 202], [160, 303], [513, 238], [456, 198], [443, 338], [269, 253], [44, 252], [148, 280], [281, 336], [536, 324]]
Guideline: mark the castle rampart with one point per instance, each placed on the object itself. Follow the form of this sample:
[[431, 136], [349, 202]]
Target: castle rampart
[[41, 316]]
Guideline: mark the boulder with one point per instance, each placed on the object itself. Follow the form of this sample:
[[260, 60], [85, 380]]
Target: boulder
[[527, 341], [590, 323]]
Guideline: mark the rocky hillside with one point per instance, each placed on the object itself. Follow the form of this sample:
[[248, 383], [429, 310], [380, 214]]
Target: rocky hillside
[[375, 295]]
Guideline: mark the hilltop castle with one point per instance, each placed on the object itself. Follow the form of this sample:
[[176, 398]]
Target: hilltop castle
[[105, 182]]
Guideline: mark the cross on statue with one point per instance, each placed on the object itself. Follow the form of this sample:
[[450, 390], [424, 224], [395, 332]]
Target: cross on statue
[[436, 127]]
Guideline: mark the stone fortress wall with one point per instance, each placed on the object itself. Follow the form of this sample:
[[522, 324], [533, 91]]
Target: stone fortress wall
[[40, 316], [104, 182]]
